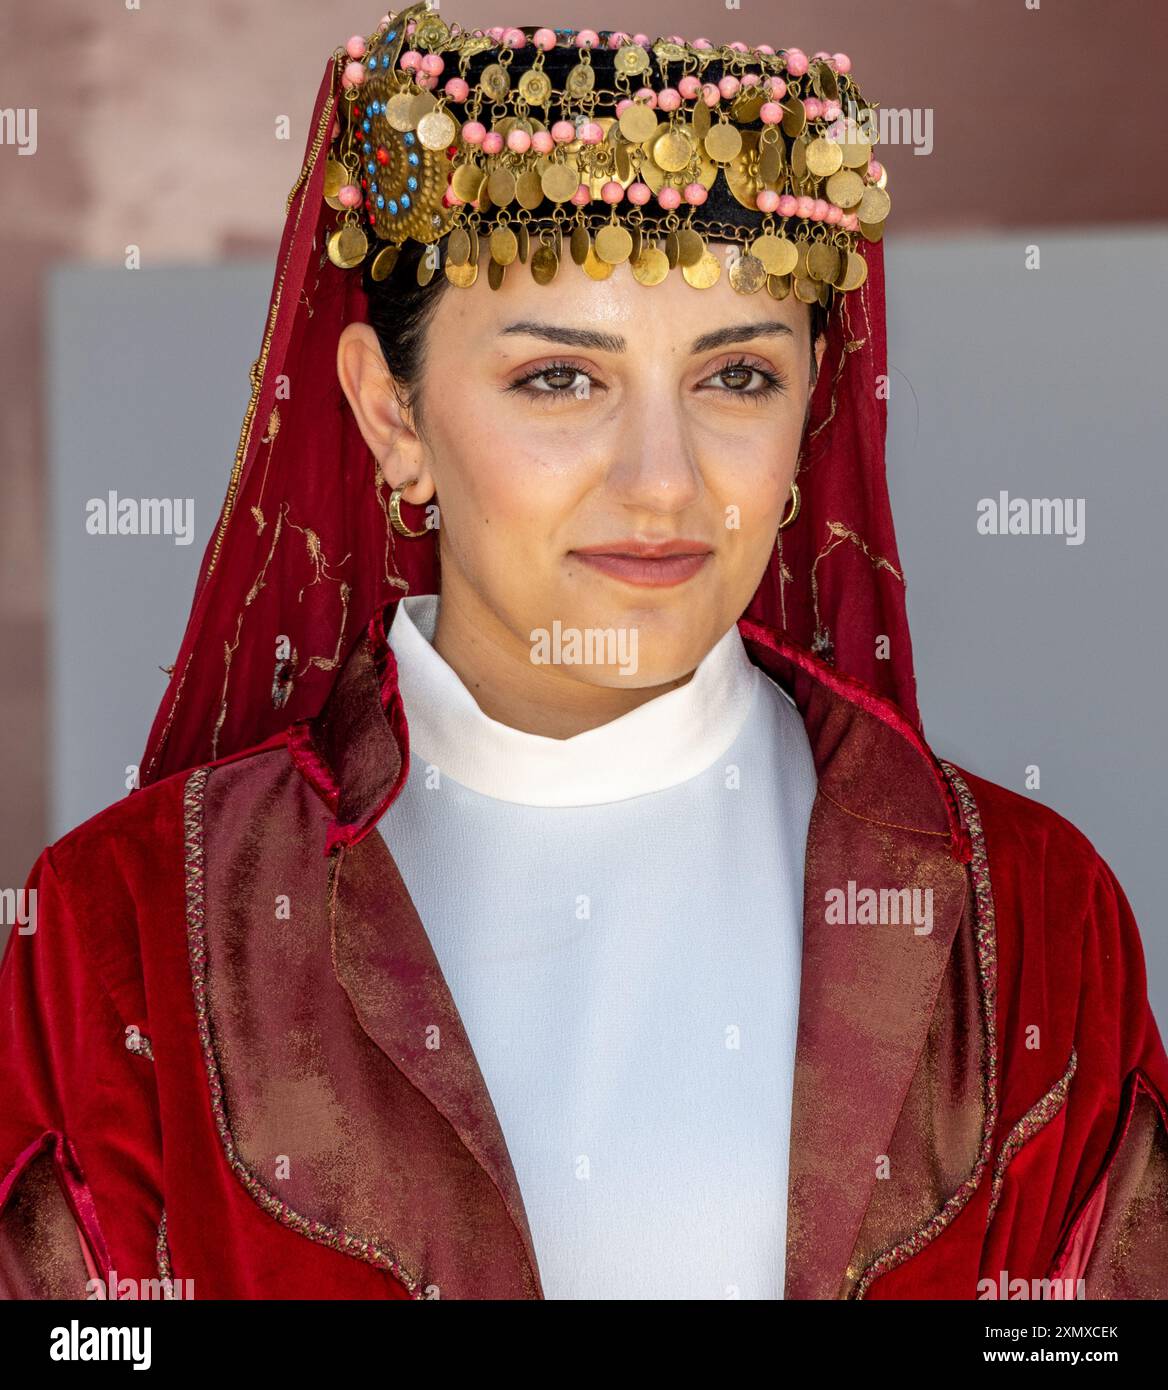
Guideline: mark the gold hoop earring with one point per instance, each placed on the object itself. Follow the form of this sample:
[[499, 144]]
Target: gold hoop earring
[[395, 516], [792, 507]]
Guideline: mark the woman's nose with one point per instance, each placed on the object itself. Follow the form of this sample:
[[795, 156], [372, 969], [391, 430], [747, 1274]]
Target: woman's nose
[[654, 460]]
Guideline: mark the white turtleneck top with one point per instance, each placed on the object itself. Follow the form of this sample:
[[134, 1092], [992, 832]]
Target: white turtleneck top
[[618, 916]]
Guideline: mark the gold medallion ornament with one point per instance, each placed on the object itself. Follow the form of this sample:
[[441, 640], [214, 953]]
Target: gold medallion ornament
[[460, 146], [383, 263], [495, 82], [673, 150], [706, 273], [504, 245], [874, 205], [724, 142], [535, 87], [462, 275], [651, 266], [544, 265], [347, 246], [580, 243], [748, 274], [777, 254], [690, 246], [824, 157], [637, 122], [559, 182], [436, 130], [614, 244], [595, 268]]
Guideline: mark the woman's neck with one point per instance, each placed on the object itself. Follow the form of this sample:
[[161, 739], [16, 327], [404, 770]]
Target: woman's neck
[[497, 668]]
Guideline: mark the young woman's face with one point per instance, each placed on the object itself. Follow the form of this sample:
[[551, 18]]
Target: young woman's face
[[563, 425]]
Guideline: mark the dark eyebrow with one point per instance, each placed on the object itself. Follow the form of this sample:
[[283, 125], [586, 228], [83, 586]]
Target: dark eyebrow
[[612, 342]]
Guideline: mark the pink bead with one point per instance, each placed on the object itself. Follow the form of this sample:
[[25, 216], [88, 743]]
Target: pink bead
[[544, 39], [819, 209], [669, 197], [668, 99], [474, 133], [450, 199], [821, 53], [648, 97], [582, 196], [642, 39], [492, 142], [542, 142], [796, 62], [770, 112], [353, 75], [432, 64], [842, 62], [702, 43], [778, 88], [814, 108], [765, 48], [355, 48], [689, 86], [514, 38], [350, 196], [563, 132], [875, 169], [616, 38], [639, 193], [612, 192], [739, 47], [751, 79], [519, 141], [710, 94], [831, 110], [410, 59], [729, 87], [587, 38], [496, 32], [804, 205], [456, 89], [623, 105], [676, 38], [767, 200], [695, 194], [787, 204], [851, 222], [834, 214], [426, 80], [591, 133]]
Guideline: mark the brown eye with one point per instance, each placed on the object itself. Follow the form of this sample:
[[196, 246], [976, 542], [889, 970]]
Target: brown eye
[[737, 378]]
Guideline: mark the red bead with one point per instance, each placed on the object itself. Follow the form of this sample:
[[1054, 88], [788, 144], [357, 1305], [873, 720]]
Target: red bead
[[382, 155]]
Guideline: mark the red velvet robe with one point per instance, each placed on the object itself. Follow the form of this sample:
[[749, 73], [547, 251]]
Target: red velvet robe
[[228, 1055]]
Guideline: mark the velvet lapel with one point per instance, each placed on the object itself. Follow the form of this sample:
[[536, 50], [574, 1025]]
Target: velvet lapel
[[881, 820]]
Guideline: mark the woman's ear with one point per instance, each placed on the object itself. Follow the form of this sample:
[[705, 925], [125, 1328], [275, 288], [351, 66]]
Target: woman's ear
[[384, 422]]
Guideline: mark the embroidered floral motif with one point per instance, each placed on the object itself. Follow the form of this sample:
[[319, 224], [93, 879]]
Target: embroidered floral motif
[[319, 1231], [1037, 1117], [987, 968]]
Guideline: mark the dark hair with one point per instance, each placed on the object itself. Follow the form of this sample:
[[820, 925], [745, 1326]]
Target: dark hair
[[400, 311]]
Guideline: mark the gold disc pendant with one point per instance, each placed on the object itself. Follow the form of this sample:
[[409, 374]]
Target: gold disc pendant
[[706, 273], [347, 246]]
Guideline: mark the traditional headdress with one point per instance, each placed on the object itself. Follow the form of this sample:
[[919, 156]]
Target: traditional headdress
[[626, 149], [304, 553]]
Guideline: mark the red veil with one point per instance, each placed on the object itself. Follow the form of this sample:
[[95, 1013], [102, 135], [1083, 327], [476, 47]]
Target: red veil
[[303, 554]]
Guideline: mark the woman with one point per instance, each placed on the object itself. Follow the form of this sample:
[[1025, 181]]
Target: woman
[[555, 895]]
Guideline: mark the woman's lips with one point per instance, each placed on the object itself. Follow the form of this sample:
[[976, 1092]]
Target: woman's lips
[[649, 571]]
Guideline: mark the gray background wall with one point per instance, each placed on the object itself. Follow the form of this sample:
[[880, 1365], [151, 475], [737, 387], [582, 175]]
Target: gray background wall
[[1029, 651]]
